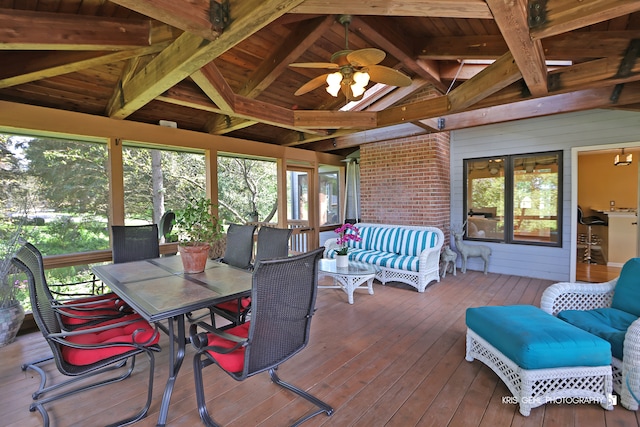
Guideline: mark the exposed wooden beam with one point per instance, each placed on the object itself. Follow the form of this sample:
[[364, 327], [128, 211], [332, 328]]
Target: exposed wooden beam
[[56, 63], [432, 107], [511, 18], [495, 77], [561, 16], [190, 52], [223, 124], [575, 101], [215, 86], [26, 30], [441, 8], [554, 104], [334, 119], [193, 16]]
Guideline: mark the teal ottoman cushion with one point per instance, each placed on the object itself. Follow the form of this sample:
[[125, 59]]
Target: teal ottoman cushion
[[534, 339], [607, 323]]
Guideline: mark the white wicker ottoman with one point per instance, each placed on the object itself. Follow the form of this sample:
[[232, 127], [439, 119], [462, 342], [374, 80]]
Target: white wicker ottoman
[[540, 358]]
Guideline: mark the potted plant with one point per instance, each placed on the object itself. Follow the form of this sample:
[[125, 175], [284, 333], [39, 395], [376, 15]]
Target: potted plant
[[11, 310], [346, 232], [197, 228]]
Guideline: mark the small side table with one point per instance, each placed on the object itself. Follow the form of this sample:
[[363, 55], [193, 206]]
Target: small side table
[[350, 278]]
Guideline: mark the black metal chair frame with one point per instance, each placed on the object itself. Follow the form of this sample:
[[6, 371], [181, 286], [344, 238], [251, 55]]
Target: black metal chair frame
[[272, 243], [49, 324], [134, 242], [283, 303]]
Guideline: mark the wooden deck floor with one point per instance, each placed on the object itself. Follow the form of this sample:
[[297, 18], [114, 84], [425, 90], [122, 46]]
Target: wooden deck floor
[[392, 359]]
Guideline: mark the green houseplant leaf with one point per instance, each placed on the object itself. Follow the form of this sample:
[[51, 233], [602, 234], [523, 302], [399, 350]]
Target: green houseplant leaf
[[196, 224]]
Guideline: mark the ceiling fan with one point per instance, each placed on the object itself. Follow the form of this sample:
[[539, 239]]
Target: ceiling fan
[[354, 70]]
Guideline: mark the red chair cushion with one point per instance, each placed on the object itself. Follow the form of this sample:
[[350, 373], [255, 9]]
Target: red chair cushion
[[105, 305], [234, 361], [117, 334], [233, 304]]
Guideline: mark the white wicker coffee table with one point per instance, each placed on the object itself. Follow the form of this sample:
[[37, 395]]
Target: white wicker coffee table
[[350, 278]]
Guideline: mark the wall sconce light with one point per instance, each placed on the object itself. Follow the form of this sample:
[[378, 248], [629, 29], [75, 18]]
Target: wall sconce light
[[622, 159]]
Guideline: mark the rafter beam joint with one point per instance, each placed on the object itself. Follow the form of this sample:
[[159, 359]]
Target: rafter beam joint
[[219, 15], [537, 13]]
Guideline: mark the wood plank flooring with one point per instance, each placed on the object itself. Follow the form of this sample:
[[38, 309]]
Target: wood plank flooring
[[392, 359]]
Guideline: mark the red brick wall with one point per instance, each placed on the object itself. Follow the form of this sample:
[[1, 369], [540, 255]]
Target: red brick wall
[[406, 181]]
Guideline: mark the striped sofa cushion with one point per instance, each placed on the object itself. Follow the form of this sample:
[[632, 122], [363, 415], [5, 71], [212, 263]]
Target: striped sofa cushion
[[382, 259], [412, 242]]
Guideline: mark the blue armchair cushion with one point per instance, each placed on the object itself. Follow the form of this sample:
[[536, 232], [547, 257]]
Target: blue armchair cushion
[[626, 296], [608, 323], [534, 339]]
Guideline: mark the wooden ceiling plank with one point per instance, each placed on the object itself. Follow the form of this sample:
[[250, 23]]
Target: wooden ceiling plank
[[463, 47], [302, 38], [190, 52], [566, 15], [441, 8], [215, 86], [511, 18], [58, 64], [27, 30], [495, 77], [377, 32], [192, 16]]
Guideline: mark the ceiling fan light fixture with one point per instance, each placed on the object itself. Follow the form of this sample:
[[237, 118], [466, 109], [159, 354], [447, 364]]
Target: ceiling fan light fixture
[[360, 82], [333, 81]]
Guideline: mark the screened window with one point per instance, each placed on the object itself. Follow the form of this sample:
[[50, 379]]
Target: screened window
[[247, 190], [156, 181], [329, 196], [514, 199]]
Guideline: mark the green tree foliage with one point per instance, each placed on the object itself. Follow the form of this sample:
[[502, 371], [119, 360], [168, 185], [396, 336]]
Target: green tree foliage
[[70, 175], [246, 186]]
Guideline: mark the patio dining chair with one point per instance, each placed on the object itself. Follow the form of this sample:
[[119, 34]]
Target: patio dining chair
[[87, 351], [283, 302], [238, 253], [134, 242], [272, 243]]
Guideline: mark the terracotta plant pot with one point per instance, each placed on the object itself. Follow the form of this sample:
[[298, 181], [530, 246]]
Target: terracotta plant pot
[[194, 258]]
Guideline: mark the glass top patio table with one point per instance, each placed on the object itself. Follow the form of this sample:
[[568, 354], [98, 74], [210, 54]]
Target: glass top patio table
[[357, 274], [159, 290]]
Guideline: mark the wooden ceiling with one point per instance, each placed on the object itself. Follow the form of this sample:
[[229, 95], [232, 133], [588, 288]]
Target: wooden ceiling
[[224, 68]]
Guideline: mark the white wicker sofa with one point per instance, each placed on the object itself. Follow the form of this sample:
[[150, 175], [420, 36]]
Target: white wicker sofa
[[610, 310], [403, 253]]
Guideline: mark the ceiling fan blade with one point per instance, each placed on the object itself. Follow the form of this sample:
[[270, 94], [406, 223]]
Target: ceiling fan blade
[[387, 76], [328, 65], [312, 84], [366, 57]]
